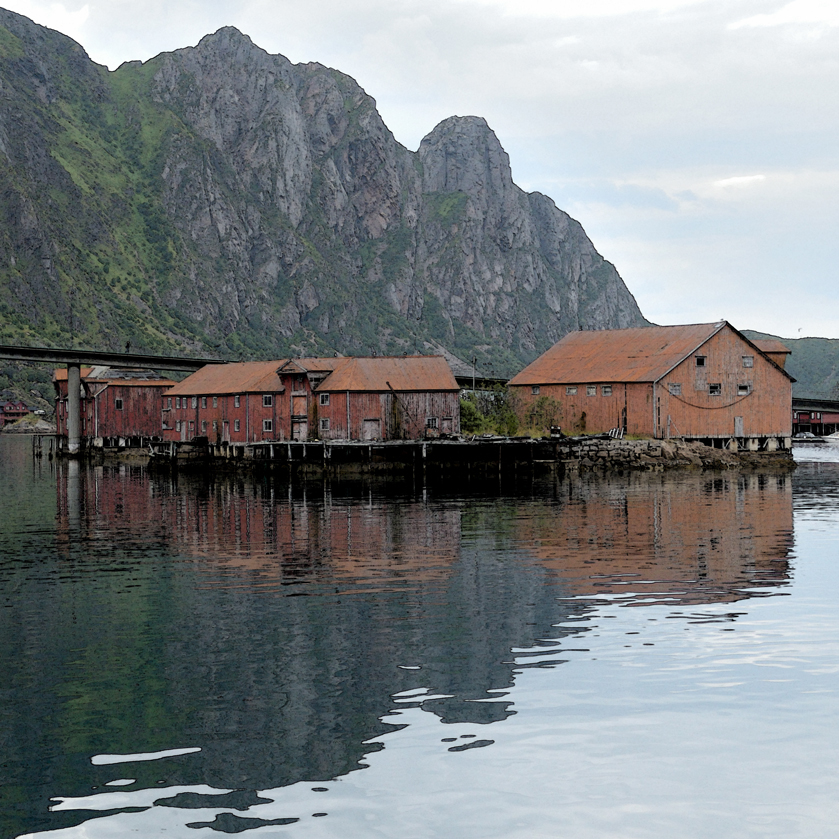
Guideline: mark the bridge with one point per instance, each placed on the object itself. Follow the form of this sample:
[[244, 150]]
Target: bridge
[[74, 359]]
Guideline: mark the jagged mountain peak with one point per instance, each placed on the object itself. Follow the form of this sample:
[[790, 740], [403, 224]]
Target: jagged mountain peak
[[222, 198]]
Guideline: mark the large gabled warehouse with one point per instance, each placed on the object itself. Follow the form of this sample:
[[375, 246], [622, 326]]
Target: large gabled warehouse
[[702, 381]]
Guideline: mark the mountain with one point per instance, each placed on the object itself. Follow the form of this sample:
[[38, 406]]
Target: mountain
[[813, 362], [218, 199]]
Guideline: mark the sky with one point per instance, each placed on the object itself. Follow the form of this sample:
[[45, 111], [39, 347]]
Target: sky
[[695, 140]]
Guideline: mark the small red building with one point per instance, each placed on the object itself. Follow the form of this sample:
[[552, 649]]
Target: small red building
[[12, 411], [702, 382], [115, 403], [379, 398]]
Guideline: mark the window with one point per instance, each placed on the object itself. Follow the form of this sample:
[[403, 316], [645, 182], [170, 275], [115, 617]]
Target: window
[[178, 425], [118, 404], [267, 401], [267, 425], [715, 389], [203, 401], [606, 390], [324, 424], [165, 426], [178, 402], [236, 424], [215, 401], [535, 390], [324, 400], [744, 390], [169, 402], [191, 425], [675, 389], [194, 401], [748, 361], [203, 426], [431, 422], [298, 383], [571, 390], [236, 403], [591, 390], [700, 361]]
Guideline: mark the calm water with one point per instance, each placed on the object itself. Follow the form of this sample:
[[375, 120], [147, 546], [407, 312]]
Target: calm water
[[648, 656]]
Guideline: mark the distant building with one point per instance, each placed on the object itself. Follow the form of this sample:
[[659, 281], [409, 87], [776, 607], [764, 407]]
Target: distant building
[[379, 398], [12, 411], [702, 382], [116, 403]]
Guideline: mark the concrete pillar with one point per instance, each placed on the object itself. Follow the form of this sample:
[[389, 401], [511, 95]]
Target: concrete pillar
[[74, 383]]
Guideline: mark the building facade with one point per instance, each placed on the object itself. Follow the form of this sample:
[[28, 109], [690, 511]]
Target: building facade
[[701, 381], [378, 398], [116, 404]]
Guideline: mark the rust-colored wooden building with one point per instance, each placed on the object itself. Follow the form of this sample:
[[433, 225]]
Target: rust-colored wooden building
[[388, 398], [378, 398], [700, 382], [116, 403]]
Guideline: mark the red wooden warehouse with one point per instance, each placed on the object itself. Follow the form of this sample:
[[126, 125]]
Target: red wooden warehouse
[[379, 398], [116, 404], [701, 382]]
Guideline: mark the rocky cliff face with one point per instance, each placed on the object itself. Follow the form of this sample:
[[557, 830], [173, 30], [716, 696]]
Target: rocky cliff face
[[221, 198]]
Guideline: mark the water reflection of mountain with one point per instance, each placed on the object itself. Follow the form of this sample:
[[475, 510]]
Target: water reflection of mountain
[[270, 624]]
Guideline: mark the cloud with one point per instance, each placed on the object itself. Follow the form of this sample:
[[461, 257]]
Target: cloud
[[70, 21], [825, 12]]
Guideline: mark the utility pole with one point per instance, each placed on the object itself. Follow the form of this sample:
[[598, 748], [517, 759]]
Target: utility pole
[[474, 362]]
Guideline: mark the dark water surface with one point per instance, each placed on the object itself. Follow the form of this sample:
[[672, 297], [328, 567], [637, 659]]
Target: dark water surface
[[641, 656]]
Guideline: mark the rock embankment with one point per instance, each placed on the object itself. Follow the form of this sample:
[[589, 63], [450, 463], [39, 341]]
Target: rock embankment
[[596, 453]]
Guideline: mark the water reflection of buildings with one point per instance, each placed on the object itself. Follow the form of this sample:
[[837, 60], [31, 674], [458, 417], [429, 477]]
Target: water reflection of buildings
[[201, 635], [681, 539]]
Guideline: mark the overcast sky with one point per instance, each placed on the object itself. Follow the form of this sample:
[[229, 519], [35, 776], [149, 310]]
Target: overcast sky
[[696, 140]]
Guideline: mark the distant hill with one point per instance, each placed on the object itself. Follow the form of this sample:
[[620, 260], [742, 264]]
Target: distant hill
[[814, 362], [221, 200]]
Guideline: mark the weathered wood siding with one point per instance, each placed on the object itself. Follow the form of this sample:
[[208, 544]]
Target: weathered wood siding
[[764, 411], [388, 416], [752, 401]]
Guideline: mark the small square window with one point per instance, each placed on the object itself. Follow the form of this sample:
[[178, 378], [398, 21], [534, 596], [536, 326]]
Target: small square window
[[744, 390], [324, 424], [700, 361], [591, 390], [431, 422], [118, 404], [203, 401], [535, 390], [215, 401], [571, 390], [267, 425], [236, 403], [748, 361], [236, 423], [606, 390], [675, 389], [715, 389], [267, 401], [324, 398]]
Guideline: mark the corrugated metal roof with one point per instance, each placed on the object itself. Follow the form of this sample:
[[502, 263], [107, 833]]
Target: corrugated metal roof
[[235, 377], [642, 354], [382, 373]]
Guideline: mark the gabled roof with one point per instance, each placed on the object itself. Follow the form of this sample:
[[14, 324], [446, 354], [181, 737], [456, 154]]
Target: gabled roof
[[384, 373], [235, 377], [642, 354]]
